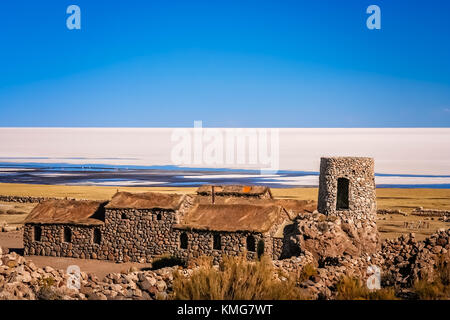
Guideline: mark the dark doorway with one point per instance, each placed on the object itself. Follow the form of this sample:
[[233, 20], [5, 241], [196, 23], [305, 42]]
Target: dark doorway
[[67, 234], [251, 243], [183, 241], [217, 243], [37, 233], [97, 236], [260, 249], [342, 194]]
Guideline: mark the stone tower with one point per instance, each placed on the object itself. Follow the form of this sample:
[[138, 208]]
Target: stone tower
[[347, 187]]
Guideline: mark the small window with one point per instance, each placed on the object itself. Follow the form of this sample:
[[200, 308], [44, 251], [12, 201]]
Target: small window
[[217, 243], [97, 236], [37, 233], [124, 215], [260, 249], [158, 216], [67, 234], [342, 194], [251, 243], [183, 241]]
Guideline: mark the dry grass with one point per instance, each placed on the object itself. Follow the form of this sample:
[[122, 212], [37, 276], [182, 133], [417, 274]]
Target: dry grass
[[235, 279], [14, 214], [307, 272], [393, 226], [79, 192], [403, 199], [352, 289], [439, 288]]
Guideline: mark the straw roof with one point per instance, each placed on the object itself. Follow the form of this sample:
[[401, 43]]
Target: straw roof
[[67, 212], [231, 218], [296, 207], [236, 190], [145, 200], [293, 207]]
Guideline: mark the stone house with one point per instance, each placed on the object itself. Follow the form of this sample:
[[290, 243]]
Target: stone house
[[65, 228], [217, 221], [141, 226]]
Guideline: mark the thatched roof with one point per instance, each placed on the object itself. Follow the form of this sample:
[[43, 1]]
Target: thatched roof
[[233, 190], [67, 212], [296, 207], [231, 218], [293, 207], [145, 200]]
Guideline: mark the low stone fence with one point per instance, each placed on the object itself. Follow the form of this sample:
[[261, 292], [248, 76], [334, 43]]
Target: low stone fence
[[430, 212], [390, 211], [28, 199], [294, 264], [416, 225]]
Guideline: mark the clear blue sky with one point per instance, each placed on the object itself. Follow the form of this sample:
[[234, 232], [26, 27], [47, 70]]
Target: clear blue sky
[[228, 63]]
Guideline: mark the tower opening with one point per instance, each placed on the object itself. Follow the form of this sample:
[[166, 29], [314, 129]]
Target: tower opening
[[342, 194]]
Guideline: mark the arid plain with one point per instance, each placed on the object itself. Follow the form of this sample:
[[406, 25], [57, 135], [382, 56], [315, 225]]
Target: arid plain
[[387, 198]]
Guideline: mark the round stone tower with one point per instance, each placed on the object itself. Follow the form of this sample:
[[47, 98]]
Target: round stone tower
[[347, 187]]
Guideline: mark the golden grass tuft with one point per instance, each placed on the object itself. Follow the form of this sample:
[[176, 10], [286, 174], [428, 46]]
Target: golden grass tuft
[[307, 272], [349, 288], [235, 278]]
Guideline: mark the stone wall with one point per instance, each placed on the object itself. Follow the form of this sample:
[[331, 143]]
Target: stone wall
[[391, 211], [430, 212], [29, 199], [232, 243], [361, 193], [138, 236], [52, 241]]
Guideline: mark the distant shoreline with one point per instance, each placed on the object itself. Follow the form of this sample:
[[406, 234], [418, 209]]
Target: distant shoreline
[[41, 173]]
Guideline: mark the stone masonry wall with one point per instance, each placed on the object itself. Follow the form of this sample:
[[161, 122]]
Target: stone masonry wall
[[139, 236], [29, 199], [52, 241], [232, 243]]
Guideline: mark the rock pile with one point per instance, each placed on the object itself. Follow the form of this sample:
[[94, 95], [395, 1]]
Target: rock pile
[[330, 236], [402, 261], [20, 279], [407, 260]]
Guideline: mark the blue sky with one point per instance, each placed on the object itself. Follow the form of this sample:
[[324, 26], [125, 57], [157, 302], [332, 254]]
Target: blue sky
[[228, 63]]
